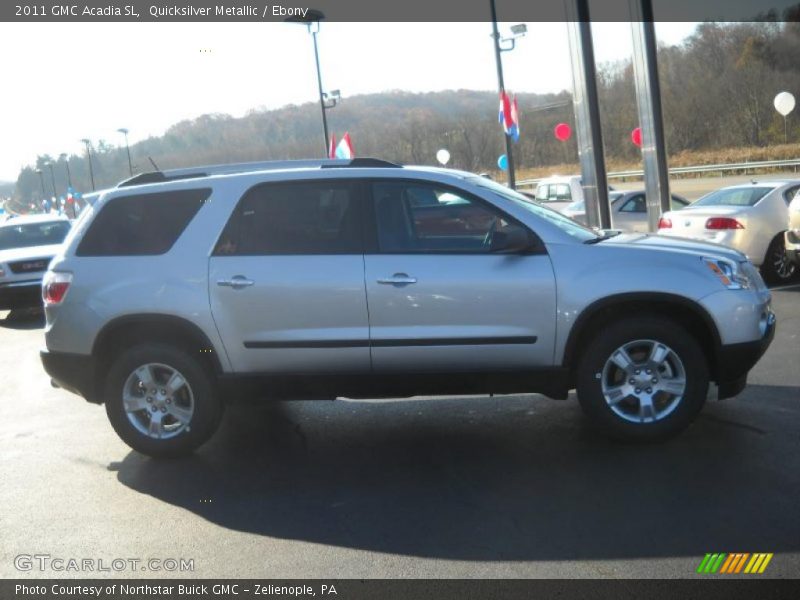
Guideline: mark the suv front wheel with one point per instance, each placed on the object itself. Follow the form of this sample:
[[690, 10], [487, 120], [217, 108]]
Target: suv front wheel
[[643, 378], [160, 401]]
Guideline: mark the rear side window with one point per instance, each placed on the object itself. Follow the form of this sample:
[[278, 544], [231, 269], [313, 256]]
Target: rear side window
[[141, 224], [319, 217]]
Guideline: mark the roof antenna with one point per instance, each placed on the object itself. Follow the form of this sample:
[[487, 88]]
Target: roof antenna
[[152, 162]]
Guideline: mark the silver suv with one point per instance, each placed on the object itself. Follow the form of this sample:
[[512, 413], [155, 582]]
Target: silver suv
[[179, 290]]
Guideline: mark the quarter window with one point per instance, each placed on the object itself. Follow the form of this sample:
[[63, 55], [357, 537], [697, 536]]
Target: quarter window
[[294, 218], [141, 224]]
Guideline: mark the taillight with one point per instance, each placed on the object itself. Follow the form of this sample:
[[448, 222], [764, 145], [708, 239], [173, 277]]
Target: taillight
[[55, 287], [723, 223], [664, 223]]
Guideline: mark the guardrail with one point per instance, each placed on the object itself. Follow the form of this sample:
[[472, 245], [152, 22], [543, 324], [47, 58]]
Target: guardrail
[[745, 166]]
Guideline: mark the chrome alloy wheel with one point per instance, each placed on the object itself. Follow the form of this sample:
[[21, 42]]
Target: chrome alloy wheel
[[643, 381], [158, 401], [784, 268]]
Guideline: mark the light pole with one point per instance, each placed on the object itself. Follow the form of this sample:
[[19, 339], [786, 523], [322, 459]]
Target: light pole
[[517, 31], [89, 156], [63, 156], [124, 132], [41, 180], [326, 101], [53, 180]]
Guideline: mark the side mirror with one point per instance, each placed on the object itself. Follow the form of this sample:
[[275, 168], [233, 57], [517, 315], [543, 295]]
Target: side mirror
[[510, 240]]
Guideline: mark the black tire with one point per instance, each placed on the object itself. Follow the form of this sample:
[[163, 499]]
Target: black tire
[[590, 375], [207, 407], [777, 268]]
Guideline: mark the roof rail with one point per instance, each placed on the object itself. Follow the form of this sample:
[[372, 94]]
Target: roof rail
[[272, 165]]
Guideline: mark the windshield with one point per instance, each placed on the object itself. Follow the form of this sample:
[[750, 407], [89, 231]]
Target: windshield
[[33, 234], [743, 196], [563, 222]]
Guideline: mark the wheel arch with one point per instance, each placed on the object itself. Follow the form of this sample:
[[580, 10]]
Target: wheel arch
[[686, 311], [127, 330]]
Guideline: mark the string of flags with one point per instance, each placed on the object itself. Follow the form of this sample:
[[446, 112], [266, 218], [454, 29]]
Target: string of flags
[[508, 116], [344, 149]]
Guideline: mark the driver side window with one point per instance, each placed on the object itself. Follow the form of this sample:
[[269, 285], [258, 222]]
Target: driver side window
[[416, 217]]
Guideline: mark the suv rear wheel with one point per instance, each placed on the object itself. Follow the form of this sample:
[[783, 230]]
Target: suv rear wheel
[[643, 378], [160, 401]]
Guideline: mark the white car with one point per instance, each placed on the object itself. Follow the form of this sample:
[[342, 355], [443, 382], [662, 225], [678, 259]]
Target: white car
[[558, 192], [27, 245], [751, 218], [628, 210]]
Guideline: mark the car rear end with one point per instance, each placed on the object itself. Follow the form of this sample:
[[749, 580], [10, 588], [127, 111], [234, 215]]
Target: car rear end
[[745, 218]]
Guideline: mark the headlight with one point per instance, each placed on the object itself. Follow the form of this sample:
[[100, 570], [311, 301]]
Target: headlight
[[729, 274]]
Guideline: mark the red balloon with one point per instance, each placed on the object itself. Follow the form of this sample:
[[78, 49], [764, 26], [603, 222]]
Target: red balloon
[[562, 132], [636, 136]]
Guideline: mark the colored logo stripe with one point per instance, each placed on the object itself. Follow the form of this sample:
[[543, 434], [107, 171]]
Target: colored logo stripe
[[737, 562]]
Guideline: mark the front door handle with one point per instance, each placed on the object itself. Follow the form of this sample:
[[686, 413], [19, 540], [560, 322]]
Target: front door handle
[[398, 279], [237, 282]]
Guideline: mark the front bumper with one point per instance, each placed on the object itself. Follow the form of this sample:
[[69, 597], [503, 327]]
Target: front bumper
[[792, 244], [21, 294], [73, 372], [734, 361]]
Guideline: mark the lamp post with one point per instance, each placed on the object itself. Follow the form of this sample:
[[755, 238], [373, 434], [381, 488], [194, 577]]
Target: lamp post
[[53, 179], [326, 101], [499, 47], [41, 180], [89, 156], [124, 132], [63, 156]]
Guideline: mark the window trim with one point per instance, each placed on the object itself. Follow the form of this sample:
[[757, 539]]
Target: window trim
[[357, 196], [370, 222]]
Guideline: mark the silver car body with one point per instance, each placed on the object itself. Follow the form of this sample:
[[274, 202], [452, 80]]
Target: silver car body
[[293, 300], [761, 223]]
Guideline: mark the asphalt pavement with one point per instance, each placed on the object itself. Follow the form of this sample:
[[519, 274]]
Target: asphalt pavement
[[476, 487]]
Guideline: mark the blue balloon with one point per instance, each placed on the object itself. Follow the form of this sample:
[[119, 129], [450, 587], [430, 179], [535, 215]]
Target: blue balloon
[[502, 162]]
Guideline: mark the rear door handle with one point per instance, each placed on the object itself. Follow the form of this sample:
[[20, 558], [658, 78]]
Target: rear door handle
[[398, 279], [237, 282]]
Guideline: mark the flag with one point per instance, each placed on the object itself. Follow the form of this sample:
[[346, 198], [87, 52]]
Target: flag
[[345, 148], [508, 116], [332, 146]]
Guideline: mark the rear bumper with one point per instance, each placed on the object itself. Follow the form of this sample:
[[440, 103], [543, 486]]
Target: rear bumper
[[73, 372], [734, 361], [21, 294]]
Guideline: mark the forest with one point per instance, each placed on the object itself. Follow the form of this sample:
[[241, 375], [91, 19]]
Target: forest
[[717, 88]]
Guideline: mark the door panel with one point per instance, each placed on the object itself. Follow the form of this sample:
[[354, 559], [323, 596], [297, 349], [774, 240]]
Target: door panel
[[465, 312], [439, 299], [286, 281], [301, 314]]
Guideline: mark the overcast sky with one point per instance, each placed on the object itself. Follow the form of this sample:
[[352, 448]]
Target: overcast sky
[[64, 82]]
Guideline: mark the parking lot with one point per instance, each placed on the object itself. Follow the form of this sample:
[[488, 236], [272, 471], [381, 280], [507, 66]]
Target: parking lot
[[510, 486]]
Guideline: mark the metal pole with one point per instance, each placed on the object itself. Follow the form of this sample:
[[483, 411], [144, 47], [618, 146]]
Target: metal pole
[[501, 85], [41, 180], [124, 132], [319, 84], [66, 164], [587, 115], [89, 155], [648, 98], [53, 179]]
